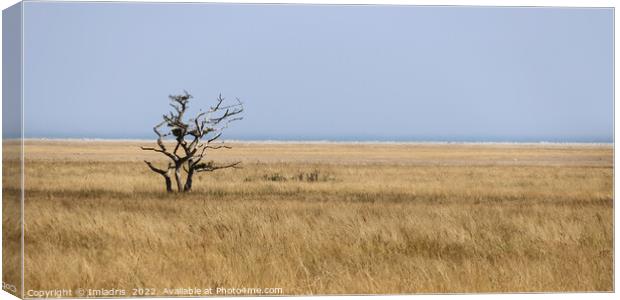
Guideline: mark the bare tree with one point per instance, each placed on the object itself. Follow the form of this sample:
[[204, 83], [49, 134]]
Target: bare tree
[[191, 140]]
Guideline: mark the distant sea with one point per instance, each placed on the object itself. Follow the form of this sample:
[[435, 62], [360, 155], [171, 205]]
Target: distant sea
[[334, 141]]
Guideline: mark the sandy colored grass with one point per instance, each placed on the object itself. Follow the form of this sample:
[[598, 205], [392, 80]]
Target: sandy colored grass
[[379, 219]]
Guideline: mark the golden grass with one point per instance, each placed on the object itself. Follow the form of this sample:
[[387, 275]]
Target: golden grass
[[377, 219]]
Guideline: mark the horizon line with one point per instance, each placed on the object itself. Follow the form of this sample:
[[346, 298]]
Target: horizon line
[[322, 141]]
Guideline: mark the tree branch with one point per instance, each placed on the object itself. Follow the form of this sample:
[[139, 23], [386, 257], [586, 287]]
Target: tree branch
[[157, 170], [210, 166]]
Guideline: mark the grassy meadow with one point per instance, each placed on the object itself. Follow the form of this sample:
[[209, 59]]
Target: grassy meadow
[[322, 219]]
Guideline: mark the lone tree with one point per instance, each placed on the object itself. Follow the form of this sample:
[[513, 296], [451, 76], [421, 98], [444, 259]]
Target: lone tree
[[191, 139]]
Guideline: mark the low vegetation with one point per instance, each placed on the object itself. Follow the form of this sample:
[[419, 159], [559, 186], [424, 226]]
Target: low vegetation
[[312, 176], [324, 219]]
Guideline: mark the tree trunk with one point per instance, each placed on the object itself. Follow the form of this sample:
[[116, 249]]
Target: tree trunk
[[188, 182], [177, 177], [168, 183]]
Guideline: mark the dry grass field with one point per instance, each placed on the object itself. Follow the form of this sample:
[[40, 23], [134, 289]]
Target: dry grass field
[[322, 219]]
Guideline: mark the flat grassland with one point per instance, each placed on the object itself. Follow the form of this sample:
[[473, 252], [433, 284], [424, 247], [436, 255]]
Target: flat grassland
[[323, 219]]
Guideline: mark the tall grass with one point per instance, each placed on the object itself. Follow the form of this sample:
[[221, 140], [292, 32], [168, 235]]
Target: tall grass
[[377, 222]]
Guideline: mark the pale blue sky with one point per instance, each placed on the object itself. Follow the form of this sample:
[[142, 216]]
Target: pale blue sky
[[104, 70]]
